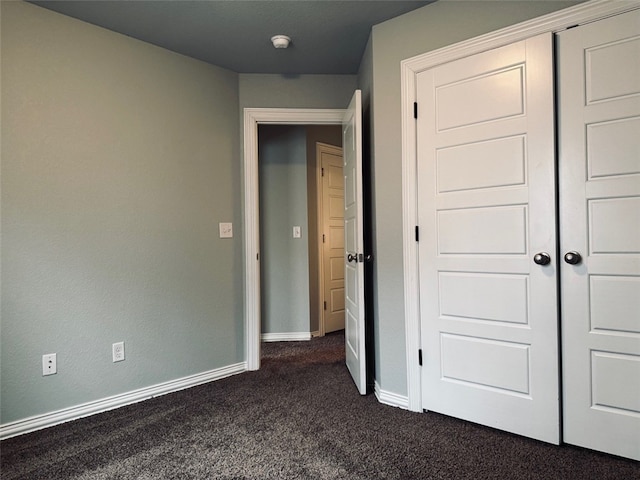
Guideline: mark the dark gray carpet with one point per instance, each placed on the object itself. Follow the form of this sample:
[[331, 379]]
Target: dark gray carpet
[[298, 417]]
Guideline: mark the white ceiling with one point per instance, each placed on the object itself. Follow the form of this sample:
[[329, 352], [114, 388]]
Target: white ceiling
[[328, 36]]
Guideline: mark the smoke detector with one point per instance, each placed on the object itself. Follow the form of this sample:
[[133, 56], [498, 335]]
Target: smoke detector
[[280, 41]]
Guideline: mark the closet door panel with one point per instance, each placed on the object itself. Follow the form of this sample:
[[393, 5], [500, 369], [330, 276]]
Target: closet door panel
[[599, 171], [487, 205]]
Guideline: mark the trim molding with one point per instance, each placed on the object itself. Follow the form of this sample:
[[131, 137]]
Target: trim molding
[[286, 337], [253, 117], [390, 398], [50, 419], [410, 68]]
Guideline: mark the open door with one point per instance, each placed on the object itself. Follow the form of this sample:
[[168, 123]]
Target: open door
[[354, 243]]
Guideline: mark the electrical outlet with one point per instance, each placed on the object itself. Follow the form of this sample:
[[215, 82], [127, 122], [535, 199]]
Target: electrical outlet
[[117, 349], [49, 364]]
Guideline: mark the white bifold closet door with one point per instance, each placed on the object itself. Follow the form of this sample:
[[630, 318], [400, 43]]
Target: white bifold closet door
[[599, 169], [487, 207]]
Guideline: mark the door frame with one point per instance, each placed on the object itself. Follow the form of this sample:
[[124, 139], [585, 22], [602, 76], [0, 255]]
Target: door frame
[[252, 118], [410, 68], [320, 223]]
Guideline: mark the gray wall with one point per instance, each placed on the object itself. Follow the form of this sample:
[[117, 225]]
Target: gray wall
[[284, 261], [295, 91], [118, 161], [433, 26]]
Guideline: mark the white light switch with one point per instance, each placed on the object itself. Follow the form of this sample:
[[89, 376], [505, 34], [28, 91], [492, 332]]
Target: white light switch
[[226, 230], [296, 232]]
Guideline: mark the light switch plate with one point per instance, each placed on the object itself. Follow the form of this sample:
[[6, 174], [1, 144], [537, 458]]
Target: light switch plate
[[226, 230], [296, 232]]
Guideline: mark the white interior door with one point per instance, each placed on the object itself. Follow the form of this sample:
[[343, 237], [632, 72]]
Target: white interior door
[[354, 243], [332, 206], [486, 206], [599, 148]]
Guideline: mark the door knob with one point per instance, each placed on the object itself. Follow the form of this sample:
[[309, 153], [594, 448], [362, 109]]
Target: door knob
[[352, 258], [572, 258], [542, 258]]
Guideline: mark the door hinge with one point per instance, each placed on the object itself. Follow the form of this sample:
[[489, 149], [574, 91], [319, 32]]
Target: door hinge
[[417, 233], [325, 305], [258, 256], [415, 109], [322, 172], [420, 356]]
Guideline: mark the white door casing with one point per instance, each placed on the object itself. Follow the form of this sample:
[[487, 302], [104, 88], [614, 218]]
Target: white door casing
[[486, 207], [252, 118], [354, 243], [331, 231], [599, 169]]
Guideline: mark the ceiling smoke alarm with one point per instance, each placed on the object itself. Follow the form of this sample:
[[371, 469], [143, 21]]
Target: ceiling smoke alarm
[[280, 41]]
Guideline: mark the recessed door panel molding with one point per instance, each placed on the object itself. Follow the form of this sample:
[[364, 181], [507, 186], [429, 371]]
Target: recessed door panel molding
[[486, 206], [481, 363], [488, 97], [337, 300], [613, 148], [620, 57], [336, 235], [335, 175], [336, 206], [490, 164], [609, 372], [599, 107], [350, 231], [349, 188], [337, 269], [351, 338], [490, 297], [614, 225], [351, 284], [614, 302], [483, 231]]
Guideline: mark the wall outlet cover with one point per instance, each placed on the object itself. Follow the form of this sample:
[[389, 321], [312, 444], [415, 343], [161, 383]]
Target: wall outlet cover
[[117, 350]]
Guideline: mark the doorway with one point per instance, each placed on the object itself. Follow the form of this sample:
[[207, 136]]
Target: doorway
[[355, 256], [252, 118], [292, 160]]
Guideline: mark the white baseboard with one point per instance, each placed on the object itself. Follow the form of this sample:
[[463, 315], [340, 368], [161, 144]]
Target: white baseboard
[[50, 419], [286, 337], [390, 398]]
